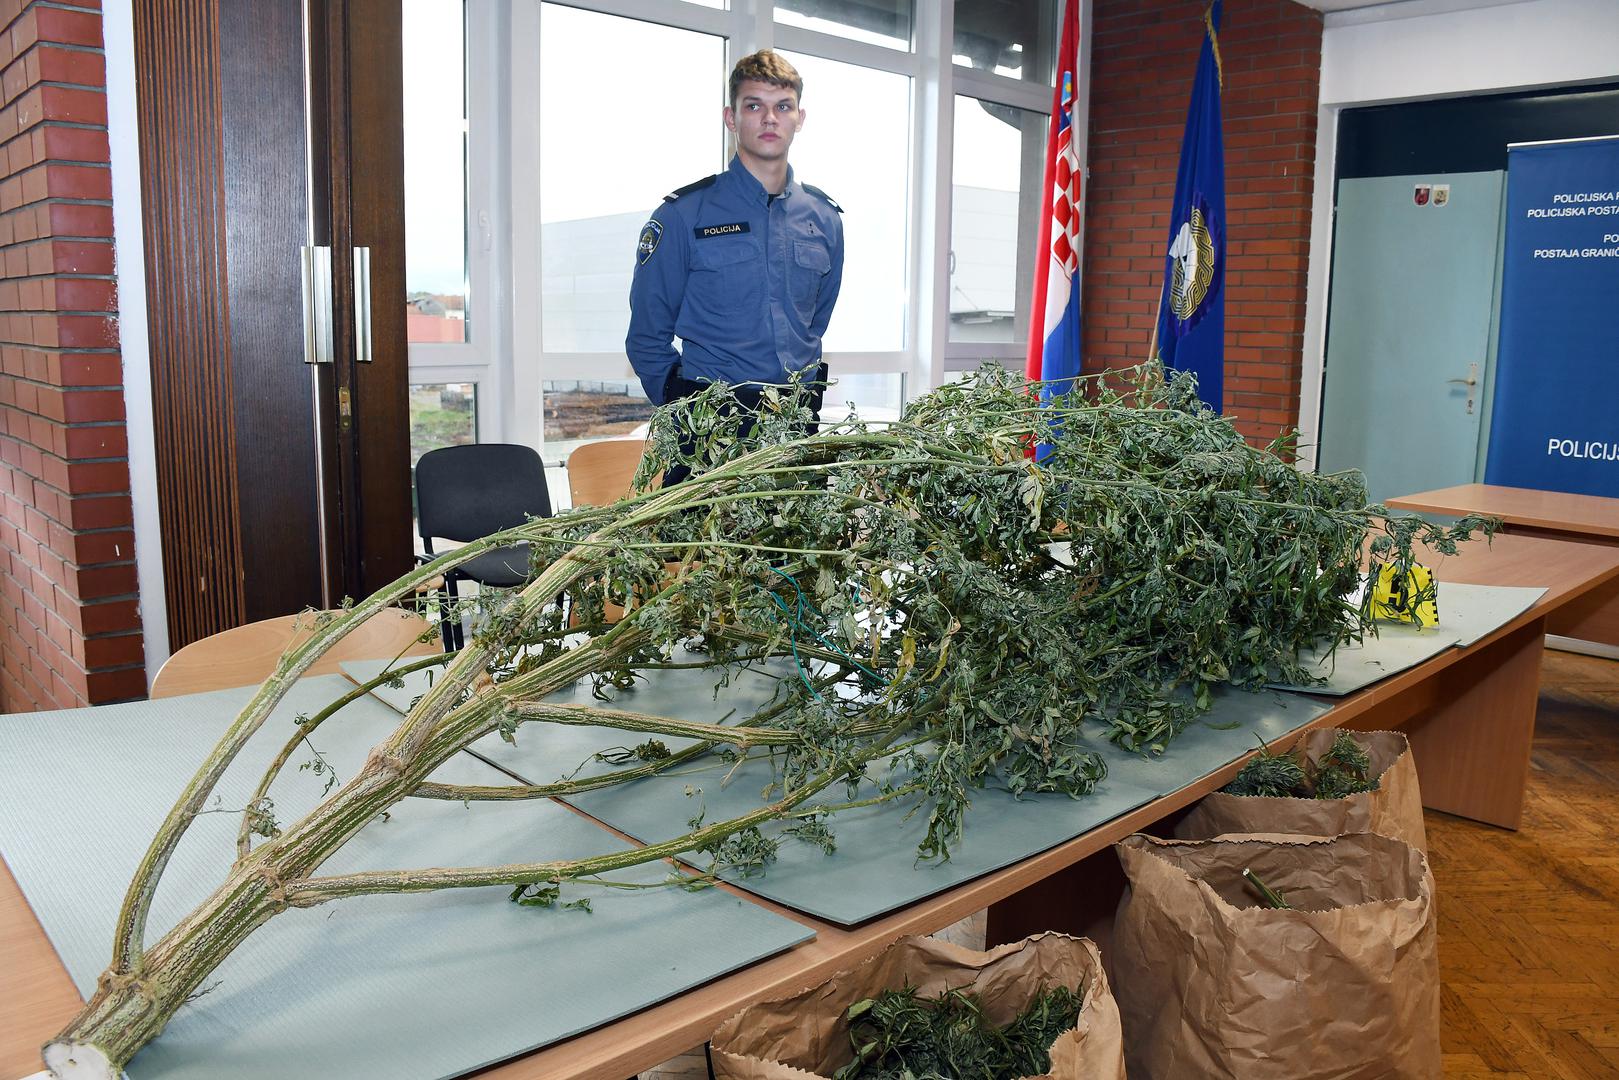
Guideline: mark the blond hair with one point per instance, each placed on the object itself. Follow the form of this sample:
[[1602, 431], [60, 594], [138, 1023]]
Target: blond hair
[[766, 66]]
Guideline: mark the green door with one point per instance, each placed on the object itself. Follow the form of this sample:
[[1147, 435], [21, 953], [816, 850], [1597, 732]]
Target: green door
[[1410, 329]]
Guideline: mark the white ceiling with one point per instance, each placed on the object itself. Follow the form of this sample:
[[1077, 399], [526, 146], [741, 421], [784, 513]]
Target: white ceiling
[[1397, 6], [1340, 5]]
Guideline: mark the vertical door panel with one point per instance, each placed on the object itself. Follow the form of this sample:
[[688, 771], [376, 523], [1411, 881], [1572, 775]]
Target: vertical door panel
[[281, 486], [193, 404], [266, 204], [1409, 322], [381, 388]]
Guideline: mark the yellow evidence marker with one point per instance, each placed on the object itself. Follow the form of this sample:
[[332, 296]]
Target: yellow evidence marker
[[1409, 598]]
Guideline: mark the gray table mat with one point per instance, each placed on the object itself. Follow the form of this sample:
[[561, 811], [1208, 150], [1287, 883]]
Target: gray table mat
[[430, 985], [1467, 614], [874, 869], [1477, 611]]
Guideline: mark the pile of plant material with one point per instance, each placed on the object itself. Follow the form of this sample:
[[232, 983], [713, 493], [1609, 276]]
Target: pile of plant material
[[899, 1036], [905, 576], [1345, 769]]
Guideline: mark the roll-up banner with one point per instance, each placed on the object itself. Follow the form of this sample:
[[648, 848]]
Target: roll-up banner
[[1555, 424]]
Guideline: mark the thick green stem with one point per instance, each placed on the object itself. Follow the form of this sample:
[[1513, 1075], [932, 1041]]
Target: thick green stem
[[646, 723], [129, 937], [244, 835]]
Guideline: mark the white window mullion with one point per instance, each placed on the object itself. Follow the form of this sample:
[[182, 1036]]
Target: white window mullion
[[674, 13], [1001, 90], [833, 47], [488, 217], [523, 407], [932, 147], [751, 26]]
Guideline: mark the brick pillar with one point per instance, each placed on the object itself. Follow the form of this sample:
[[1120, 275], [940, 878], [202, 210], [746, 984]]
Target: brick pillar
[[69, 624], [1143, 56]]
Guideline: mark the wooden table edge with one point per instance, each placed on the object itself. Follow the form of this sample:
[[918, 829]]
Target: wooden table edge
[[1486, 499], [616, 1050]]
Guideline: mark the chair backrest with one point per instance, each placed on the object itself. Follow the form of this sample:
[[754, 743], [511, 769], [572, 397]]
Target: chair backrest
[[600, 472], [249, 654], [466, 492]]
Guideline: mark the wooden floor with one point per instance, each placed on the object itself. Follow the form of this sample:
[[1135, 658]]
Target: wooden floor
[[1529, 921]]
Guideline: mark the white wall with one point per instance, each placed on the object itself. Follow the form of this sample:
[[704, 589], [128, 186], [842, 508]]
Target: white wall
[[1405, 55], [118, 30], [1425, 49]]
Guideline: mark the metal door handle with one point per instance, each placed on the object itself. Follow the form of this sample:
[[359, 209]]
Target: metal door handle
[[317, 289], [1469, 382], [362, 304]]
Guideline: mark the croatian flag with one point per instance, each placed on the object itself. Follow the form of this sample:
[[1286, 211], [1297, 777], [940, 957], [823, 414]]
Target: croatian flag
[[1054, 328]]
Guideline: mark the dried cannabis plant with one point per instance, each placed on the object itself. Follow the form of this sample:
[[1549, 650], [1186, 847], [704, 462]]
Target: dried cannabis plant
[[899, 1036], [908, 570], [1344, 770]]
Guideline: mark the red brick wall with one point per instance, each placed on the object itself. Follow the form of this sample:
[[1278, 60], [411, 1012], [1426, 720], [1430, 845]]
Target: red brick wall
[[69, 627], [1143, 56]]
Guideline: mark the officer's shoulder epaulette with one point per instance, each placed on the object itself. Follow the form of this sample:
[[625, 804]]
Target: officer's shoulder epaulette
[[823, 196], [695, 185]]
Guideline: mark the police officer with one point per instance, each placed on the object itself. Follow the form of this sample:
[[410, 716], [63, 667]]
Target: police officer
[[744, 266]]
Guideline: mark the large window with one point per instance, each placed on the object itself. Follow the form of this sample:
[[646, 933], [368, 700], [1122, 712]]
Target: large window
[[612, 145], [435, 172], [442, 414], [879, 22], [994, 213], [1014, 38], [540, 136], [855, 147]]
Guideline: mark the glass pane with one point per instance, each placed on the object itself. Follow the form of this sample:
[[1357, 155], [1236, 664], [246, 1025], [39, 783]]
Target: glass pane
[[435, 171], [879, 22], [1015, 38], [442, 414], [602, 173], [874, 397], [868, 177], [578, 412], [994, 219]]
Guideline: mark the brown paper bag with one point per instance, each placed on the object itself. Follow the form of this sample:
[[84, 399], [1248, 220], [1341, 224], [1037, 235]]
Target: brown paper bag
[[807, 1036], [1394, 809], [1343, 987]]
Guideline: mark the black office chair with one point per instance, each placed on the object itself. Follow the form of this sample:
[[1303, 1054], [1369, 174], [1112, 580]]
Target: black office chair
[[467, 492]]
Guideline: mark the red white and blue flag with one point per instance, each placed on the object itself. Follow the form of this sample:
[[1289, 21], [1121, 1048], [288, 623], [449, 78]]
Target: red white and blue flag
[[1054, 326]]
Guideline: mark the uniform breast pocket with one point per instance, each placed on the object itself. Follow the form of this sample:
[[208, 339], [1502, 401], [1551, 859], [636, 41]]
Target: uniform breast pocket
[[727, 275], [811, 263]]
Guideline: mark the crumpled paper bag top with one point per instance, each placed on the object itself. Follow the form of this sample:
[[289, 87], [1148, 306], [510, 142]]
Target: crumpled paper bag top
[[806, 1036], [1393, 809], [1212, 984]]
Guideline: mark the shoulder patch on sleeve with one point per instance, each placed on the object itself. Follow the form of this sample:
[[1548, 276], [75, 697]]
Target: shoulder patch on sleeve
[[695, 185], [823, 196], [651, 233]]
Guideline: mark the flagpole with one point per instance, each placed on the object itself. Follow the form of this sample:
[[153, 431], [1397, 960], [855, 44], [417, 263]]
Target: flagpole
[[1158, 313]]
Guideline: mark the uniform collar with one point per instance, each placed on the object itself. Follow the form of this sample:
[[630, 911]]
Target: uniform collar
[[750, 183]]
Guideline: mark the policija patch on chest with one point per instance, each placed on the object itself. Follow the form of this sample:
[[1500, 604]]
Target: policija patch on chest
[[708, 232]]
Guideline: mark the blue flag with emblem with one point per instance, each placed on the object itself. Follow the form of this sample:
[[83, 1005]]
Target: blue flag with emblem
[[1190, 335]]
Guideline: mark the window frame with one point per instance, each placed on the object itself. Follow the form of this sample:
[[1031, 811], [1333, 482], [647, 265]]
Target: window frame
[[997, 90], [477, 359], [507, 358]]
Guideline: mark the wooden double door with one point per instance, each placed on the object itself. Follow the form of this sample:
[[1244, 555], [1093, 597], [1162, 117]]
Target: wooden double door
[[272, 181]]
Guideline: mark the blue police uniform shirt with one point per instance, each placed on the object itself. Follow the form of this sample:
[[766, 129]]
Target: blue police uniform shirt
[[744, 279]]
